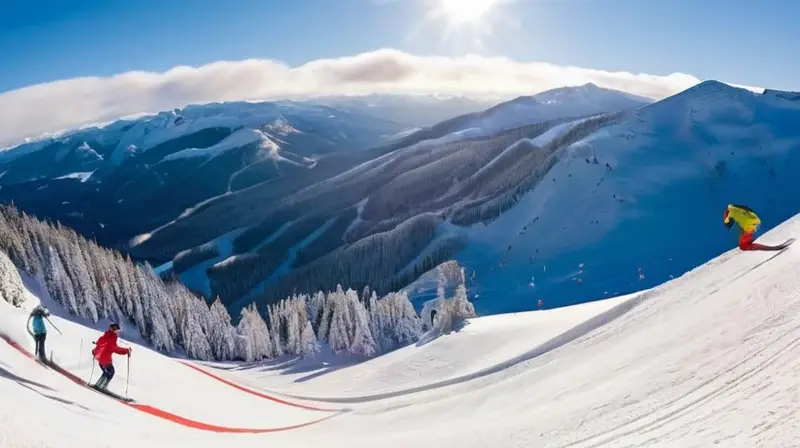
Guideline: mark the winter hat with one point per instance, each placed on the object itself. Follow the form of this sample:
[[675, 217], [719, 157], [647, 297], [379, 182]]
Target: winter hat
[[114, 326]]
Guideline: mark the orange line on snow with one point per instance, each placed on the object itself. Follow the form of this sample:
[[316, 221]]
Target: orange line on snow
[[157, 412], [207, 427], [256, 393]]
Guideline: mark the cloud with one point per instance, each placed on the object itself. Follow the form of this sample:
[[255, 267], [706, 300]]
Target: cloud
[[67, 104]]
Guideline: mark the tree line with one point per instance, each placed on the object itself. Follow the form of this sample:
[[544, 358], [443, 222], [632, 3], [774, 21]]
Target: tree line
[[98, 283]]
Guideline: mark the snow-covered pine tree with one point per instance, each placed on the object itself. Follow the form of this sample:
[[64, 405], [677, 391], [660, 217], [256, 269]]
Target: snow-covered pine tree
[[341, 327], [158, 319], [82, 280], [195, 340], [295, 317], [221, 333], [58, 283], [315, 308], [11, 288], [325, 320], [362, 341], [256, 342], [122, 276], [309, 346], [365, 295], [407, 324]]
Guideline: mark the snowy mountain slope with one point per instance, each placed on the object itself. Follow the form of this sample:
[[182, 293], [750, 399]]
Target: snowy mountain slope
[[578, 101], [534, 212], [462, 173], [494, 343], [140, 165], [703, 360], [646, 193], [410, 110], [399, 187]]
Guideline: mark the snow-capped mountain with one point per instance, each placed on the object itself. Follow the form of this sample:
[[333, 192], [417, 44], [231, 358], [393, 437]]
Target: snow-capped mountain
[[562, 103], [396, 199], [579, 101], [640, 201], [414, 111], [536, 211], [145, 172]]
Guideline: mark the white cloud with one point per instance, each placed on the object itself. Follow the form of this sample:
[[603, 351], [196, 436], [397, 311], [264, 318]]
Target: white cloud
[[71, 103]]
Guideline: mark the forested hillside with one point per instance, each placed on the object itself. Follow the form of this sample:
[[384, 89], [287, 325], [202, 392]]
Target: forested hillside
[[96, 283]]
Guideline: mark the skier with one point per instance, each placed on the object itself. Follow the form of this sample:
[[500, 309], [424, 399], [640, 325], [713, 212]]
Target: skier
[[39, 330], [106, 346], [748, 221]]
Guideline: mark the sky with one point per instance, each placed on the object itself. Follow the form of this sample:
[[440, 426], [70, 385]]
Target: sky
[[307, 47]]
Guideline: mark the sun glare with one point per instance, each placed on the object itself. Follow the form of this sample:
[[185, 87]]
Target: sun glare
[[465, 11], [465, 26]]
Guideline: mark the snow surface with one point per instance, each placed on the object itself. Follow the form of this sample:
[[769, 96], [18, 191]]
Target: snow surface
[[708, 359]]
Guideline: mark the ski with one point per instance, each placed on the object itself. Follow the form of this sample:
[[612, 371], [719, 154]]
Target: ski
[[781, 246], [110, 394]]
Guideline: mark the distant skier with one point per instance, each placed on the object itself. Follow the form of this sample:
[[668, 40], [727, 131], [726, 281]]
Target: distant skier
[[748, 221], [38, 330], [106, 346]]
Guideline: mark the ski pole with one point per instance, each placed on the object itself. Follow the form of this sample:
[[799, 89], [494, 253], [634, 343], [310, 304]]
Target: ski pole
[[91, 374], [128, 376], [80, 351], [56, 328]]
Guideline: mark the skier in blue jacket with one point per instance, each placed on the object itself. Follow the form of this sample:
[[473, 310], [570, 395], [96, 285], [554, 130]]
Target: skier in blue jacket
[[38, 330]]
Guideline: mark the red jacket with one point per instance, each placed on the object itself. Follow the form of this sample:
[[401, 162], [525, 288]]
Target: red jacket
[[106, 346]]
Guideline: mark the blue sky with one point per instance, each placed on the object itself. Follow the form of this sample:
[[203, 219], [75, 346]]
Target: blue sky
[[746, 42]]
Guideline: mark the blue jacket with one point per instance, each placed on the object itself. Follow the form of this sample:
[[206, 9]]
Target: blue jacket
[[38, 324]]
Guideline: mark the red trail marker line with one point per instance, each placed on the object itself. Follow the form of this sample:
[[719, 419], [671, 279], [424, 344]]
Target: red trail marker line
[[157, 412], [256, 393]]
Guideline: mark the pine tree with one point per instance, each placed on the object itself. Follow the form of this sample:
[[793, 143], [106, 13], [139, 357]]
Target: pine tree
[[83, 283], [221, 333], [11, 288], [362, 342], [309, 346], [256, 343]]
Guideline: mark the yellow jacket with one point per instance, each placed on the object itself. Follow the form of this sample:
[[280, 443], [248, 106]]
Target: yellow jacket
[[742, 215]]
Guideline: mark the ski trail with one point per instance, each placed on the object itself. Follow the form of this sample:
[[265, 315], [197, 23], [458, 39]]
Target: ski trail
[[550, 345], [554, 343], [158, 412]]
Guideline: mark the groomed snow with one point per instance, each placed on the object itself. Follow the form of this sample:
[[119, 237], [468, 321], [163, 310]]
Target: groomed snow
[[708, 359]]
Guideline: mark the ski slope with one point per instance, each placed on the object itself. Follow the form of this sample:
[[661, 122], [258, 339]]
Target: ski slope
[[711, 358], [645, 193]]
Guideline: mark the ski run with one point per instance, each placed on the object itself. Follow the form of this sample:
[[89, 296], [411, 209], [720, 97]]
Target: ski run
[[711, 358]]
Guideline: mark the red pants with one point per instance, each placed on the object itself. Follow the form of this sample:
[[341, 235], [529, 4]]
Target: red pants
[[746, 242]]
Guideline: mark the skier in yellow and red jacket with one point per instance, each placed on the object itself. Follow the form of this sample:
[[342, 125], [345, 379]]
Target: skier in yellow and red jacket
[[749, 222]]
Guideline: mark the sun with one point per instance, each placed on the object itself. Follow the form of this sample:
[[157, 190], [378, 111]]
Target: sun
[[464, 26], [463, 12]]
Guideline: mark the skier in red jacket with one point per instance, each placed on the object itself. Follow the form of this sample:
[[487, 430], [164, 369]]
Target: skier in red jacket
[[104, 348]]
